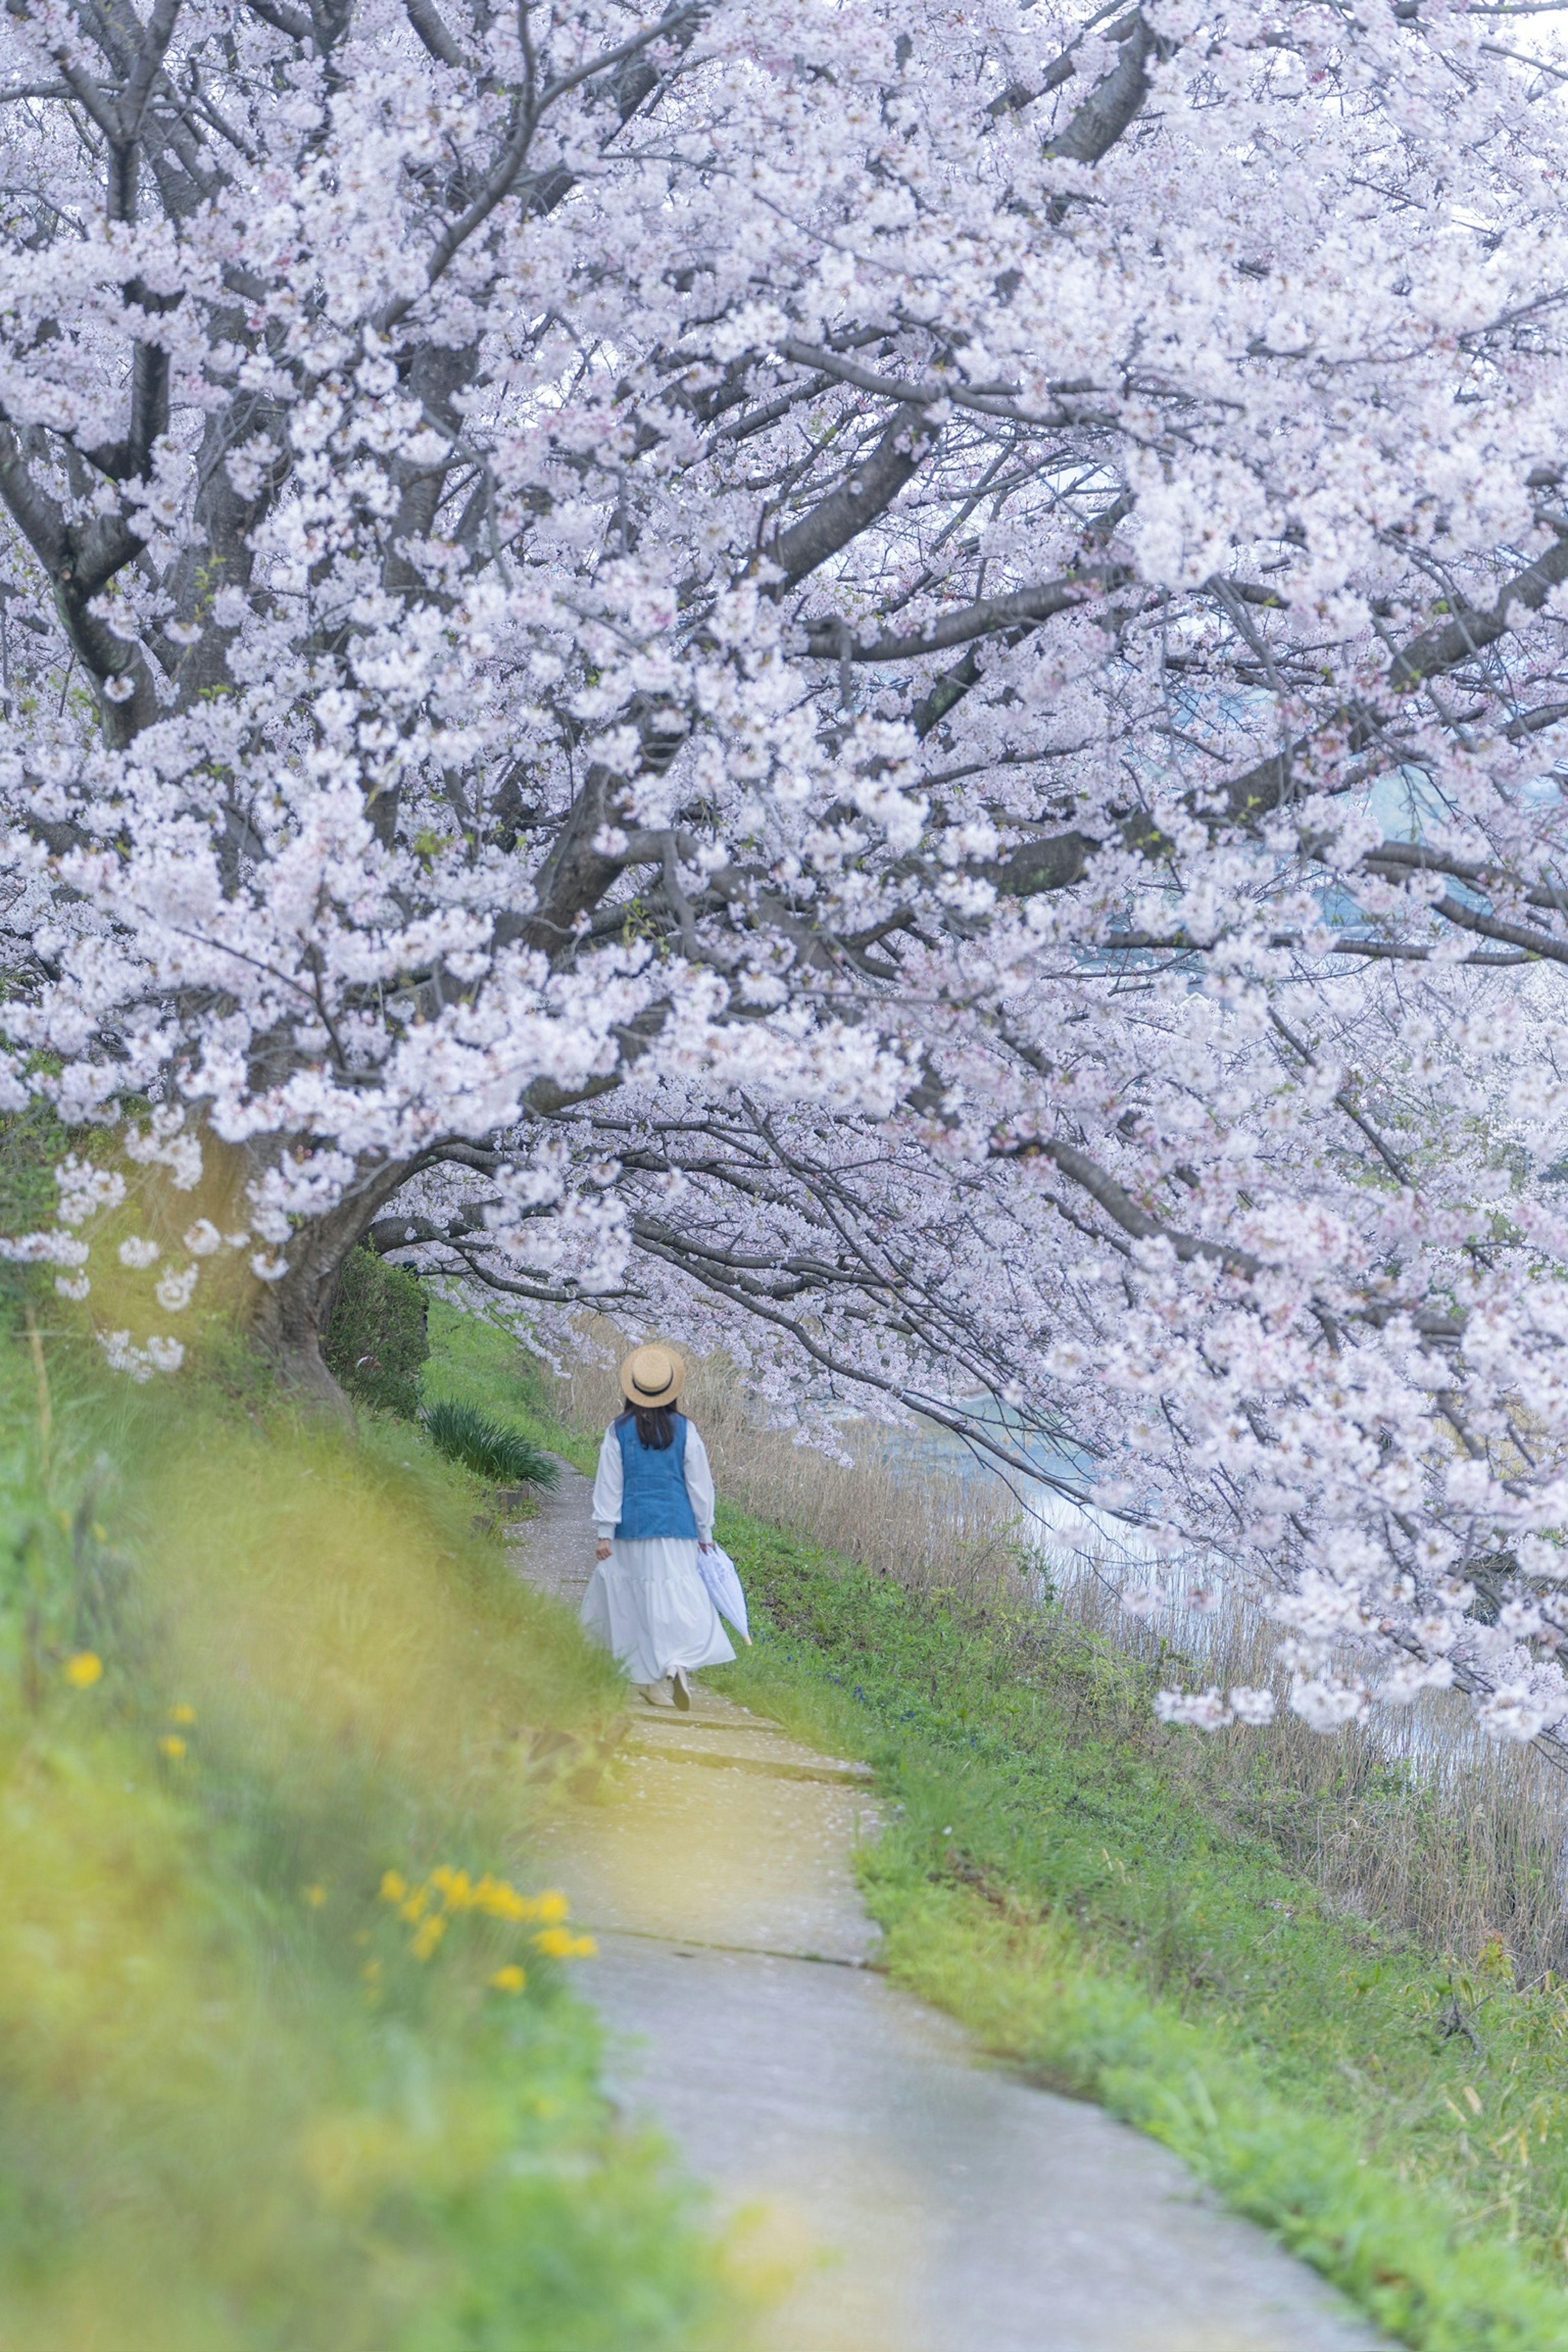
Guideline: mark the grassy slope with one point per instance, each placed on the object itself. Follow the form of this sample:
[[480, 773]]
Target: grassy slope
[[1401, 2122], [476, 1362], [1402, 2126], [241, 2110]]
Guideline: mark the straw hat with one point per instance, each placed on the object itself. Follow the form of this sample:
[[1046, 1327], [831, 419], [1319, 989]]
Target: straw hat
[[652, 1376]]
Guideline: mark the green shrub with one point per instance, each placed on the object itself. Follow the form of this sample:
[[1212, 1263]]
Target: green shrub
[[377, 1340], [476, 1361], [488, 1447]]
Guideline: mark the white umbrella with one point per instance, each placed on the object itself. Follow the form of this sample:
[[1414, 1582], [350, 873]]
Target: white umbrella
[[718, 1573]]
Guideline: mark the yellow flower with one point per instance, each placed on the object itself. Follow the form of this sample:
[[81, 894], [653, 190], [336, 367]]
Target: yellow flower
[[457, 1891], [83, 1669], [171, 1746], [508, 1979], [394, 1887], [314, 1896], [181, 1714], [415, 1906], [561, 1944], [502, 1901], [428, 1937], [551, 1908]]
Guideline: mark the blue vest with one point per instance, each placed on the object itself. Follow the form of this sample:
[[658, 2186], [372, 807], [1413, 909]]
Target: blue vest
[[654, 1500]]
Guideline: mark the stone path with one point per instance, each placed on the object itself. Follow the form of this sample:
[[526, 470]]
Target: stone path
[[924, 2200]]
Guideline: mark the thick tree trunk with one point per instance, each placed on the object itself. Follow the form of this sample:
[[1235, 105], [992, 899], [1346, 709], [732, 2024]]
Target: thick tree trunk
[[290, 1317]]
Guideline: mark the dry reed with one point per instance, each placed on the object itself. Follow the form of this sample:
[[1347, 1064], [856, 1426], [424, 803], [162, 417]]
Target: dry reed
[[1416, 1819], [931, 1530]]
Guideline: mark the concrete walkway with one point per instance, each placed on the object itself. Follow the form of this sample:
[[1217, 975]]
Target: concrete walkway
[[924, 2200]]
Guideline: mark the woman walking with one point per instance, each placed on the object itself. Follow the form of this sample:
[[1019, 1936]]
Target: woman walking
[[653, 1506]]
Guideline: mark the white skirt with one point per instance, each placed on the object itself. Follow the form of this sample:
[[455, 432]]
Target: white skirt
[[648, 1603]]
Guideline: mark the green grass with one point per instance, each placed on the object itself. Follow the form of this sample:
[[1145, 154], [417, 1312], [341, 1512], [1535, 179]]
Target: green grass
[[1051, 1879], [476, 1362], [466, 1434], [1400, 2122], [263, 1692]]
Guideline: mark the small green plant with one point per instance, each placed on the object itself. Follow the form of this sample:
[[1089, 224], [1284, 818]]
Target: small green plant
[[377, 1340], [488, 1447]]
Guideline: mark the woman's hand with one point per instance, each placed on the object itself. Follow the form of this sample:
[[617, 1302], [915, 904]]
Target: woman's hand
[[603, 1551], [704, 1547]]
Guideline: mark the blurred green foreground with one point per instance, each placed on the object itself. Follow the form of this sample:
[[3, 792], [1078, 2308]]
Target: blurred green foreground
[[290, 2051]]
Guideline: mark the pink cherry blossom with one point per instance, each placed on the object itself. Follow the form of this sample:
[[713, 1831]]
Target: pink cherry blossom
[[886, 686]]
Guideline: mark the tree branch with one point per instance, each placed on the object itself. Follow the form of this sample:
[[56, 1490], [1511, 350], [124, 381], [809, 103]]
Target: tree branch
[[829, 641], [1436, 651], [427, 21], [1112, 104], [872, 486], [504, 176], [1259, 790]]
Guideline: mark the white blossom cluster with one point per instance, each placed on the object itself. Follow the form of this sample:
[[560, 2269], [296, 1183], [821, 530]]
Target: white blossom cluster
[[884, 684]]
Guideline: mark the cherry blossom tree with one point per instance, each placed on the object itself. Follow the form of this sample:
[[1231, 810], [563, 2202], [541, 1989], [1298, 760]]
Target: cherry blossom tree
[[884, 680]]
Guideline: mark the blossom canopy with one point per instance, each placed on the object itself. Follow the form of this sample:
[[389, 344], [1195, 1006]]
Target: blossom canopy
[[884, 681]]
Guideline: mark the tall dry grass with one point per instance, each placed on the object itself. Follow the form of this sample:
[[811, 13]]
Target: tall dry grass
[[936, 1530], [1417, 1820]]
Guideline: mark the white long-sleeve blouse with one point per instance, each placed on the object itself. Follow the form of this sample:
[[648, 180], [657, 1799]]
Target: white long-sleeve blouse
[[607, 1484]]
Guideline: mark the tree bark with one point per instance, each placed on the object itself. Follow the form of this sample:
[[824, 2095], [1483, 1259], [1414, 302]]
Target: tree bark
[[291, 1315]]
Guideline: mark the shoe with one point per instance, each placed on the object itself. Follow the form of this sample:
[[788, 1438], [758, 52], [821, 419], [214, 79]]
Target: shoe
[[681, 1693]]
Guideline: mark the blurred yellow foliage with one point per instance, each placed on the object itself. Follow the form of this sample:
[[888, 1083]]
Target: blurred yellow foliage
[[427, 1935], [561, 1944], [228, 2144], [314, 1613]]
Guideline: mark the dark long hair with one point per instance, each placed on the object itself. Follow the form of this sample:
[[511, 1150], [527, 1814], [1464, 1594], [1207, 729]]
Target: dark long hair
[[656, 1424]]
